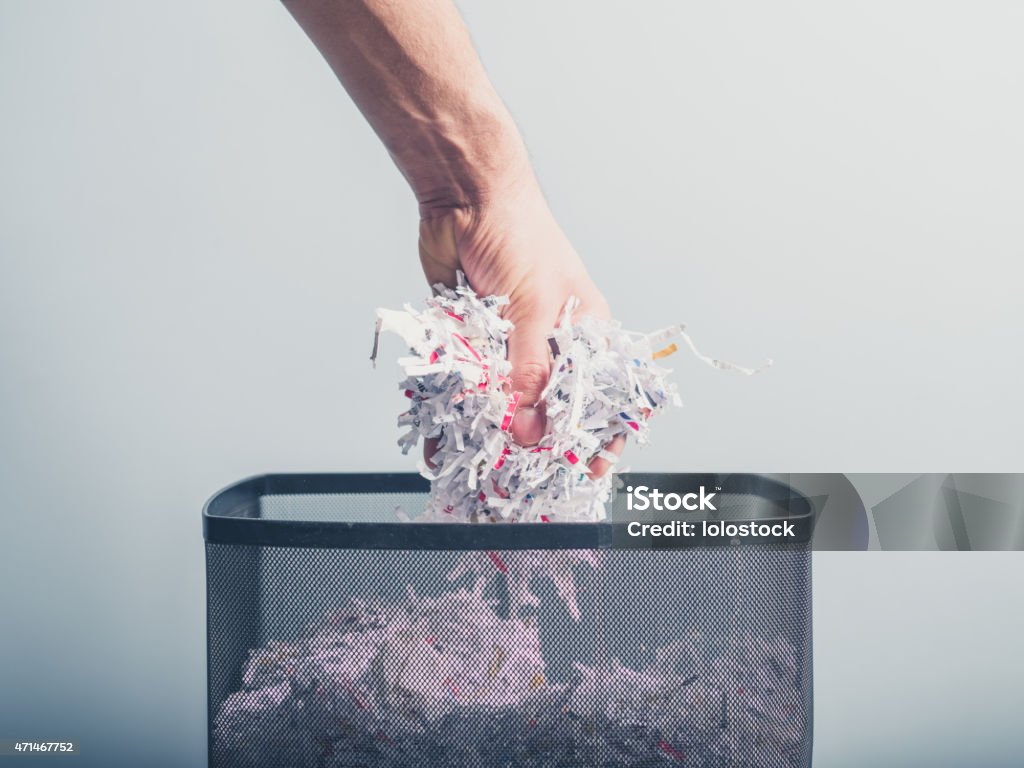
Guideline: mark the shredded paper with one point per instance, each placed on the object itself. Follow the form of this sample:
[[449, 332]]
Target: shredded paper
[[446, 680], [604, 382]]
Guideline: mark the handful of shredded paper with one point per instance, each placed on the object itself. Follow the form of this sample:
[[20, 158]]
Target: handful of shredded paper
[[604, 382]]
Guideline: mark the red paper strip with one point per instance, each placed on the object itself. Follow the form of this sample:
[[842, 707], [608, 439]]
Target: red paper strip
[[510, 411], [671, 751], [498, 562], [468, 346], [501, 459], [355, 696], [498, 491]]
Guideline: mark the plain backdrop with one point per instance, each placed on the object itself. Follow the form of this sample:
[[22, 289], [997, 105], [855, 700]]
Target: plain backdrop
[[196, 226]]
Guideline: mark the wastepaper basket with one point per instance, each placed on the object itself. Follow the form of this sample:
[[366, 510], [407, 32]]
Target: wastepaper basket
[[339, 636]]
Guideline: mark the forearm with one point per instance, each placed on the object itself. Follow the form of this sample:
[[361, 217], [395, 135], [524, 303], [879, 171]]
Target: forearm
[[410, 67]]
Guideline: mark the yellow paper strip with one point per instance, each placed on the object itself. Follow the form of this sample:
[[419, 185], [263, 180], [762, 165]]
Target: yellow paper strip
[[665, 352]]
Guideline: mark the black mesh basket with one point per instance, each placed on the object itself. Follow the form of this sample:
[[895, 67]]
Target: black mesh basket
[[340, 637]]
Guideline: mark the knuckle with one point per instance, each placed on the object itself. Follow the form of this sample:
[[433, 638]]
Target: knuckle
[[530, 377]]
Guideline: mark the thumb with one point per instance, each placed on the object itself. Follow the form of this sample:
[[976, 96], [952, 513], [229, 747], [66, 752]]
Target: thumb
[[439, 254], [531, 366]]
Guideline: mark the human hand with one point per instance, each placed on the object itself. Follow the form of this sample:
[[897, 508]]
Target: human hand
[[511, 245]]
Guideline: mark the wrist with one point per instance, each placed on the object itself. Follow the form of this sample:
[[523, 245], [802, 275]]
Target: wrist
[[465, 161]]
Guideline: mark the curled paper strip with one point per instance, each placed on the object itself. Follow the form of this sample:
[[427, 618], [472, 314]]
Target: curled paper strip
[[604, 382], [722, 365]]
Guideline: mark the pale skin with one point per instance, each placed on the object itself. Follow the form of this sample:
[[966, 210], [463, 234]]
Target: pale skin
[[411, 68]]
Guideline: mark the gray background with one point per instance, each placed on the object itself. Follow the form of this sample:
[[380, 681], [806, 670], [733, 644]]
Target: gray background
[[196, 226]]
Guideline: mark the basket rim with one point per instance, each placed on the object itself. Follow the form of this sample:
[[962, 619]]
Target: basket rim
[[231, 516]]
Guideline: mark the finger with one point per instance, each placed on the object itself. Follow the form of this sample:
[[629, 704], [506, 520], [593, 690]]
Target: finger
[[599, 466], [429, 449], [531, 365]]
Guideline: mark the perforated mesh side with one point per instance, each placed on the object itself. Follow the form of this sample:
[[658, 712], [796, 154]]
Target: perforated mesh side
[[343, 658]]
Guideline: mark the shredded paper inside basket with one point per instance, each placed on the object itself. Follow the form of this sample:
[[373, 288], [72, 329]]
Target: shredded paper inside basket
[[446, 680], [604, 382]]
